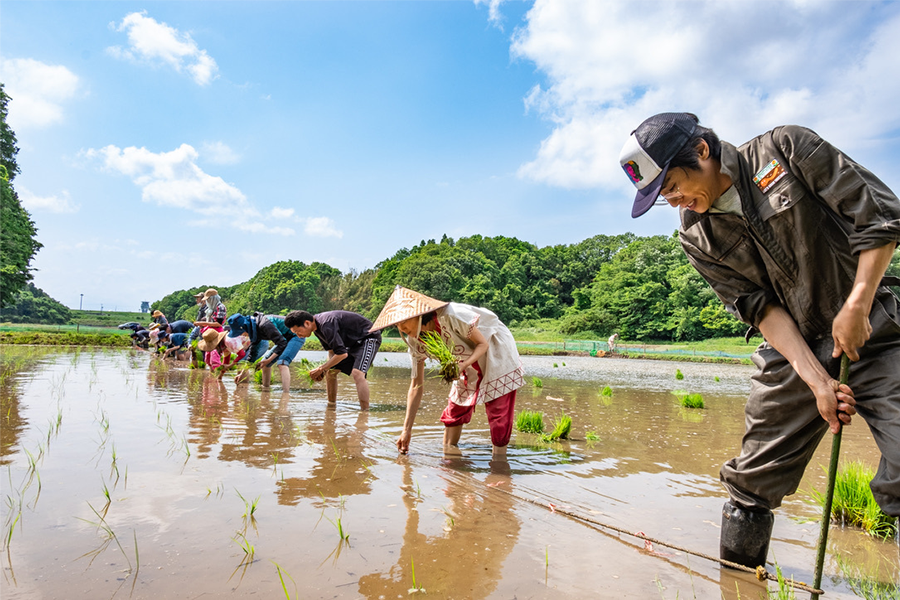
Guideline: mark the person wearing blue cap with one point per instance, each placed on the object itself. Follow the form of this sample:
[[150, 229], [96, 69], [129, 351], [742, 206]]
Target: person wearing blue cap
[[262, 329], [795, 238]]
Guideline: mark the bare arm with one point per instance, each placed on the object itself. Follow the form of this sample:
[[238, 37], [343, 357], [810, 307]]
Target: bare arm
[[851, 328], [413, 401], [333, 359], [835, 401], [481, 347]]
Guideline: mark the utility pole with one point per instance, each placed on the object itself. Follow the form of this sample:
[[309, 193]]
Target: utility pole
[[80, 301]]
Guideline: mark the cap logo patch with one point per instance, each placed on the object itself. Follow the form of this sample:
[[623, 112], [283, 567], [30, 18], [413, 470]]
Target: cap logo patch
[[633, 171], [769, 175]]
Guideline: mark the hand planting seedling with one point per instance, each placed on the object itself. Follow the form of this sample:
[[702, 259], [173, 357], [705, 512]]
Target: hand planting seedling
[[438, 349]]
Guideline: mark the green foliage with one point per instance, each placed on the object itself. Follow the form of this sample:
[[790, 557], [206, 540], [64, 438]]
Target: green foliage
[[679, 375], [440, 350], [35, 306], [529, 421], [689, 400], [282, 287], [641, 287], [592, 436], [606, 391], [18, 243], [537, 382], [8, 148], [854, 503], [561, 429]]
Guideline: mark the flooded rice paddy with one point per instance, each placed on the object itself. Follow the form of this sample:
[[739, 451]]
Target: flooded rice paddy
[[126, 477]]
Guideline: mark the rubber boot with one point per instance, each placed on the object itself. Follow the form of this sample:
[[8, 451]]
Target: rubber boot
[[745, 534]]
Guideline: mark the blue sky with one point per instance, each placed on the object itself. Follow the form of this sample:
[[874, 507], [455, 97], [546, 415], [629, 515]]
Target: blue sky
[[165, 145]]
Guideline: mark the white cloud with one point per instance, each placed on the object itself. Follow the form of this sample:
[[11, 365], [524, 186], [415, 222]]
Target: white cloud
[[494, 15], [61, 203], [173, 179], [38, 91], [828, 65], [157, 43], [219, 153], [281, 213], [321, 227]]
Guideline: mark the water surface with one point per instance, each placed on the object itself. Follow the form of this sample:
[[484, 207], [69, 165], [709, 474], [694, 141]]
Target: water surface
[[128, 477]]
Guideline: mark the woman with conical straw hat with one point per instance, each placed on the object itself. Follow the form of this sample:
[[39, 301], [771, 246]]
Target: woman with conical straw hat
[[489, 365]]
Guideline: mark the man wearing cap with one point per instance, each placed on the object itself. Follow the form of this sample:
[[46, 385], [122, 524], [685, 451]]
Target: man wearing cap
[[351, 347], [795, 238]]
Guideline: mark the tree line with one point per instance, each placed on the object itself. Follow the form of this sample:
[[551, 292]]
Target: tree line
[[639, 287]]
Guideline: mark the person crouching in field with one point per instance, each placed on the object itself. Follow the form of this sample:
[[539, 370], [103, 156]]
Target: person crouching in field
[[176, 343], [489, 365], [218, 356], [351, 347], [261, 330]]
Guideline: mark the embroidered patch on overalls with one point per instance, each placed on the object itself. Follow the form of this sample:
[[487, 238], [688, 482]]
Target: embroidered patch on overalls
[[769, 176]]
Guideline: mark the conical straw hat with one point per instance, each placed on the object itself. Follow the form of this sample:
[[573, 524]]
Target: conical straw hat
[[405, 304]]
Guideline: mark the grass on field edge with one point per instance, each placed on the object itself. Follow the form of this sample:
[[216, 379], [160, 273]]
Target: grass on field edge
[[118, 339]]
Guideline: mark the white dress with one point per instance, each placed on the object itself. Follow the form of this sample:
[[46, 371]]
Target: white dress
[[501, 369]]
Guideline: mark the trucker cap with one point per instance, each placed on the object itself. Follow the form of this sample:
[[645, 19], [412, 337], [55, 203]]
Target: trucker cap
[[648, 151]]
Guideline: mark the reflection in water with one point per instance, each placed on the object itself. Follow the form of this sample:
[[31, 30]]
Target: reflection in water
[[341, 469], [186, 444], [466, 559]]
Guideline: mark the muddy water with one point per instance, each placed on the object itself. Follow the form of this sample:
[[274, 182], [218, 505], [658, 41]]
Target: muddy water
[[217, 491]]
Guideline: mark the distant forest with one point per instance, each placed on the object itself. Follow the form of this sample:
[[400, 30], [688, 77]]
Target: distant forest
[[639, 287]]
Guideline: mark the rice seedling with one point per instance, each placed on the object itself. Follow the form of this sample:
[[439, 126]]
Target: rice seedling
[[561, 429], [102, 525], [555, 366], [246, 546], [529, 421], [592, 436], [416, 588], [689, 400], [867, 586], [854, 504], [281, 579], [785, 587], [438, 349], [606, 391], [679, 375], [536, 382], [564, 364], [339, 526], [716, 378], [306, 366], [199, 365], [249, 507]]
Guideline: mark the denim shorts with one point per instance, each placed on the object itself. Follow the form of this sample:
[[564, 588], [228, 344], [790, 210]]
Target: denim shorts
[[290, 352]]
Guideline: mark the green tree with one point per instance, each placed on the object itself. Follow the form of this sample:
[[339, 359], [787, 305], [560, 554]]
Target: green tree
[[18, 243], [8, 147], [33, 305]]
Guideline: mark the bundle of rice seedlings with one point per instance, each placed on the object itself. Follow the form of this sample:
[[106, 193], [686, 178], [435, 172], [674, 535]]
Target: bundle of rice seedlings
[[306, 366], [592, 436], [606, 391], [438, 349], [561, 429], [679, 375], [530, 421], [536, 382], [689, 400], [854, 504], [200, 365]]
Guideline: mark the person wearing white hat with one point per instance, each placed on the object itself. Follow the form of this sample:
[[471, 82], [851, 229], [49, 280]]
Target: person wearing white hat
[[489, 364]]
